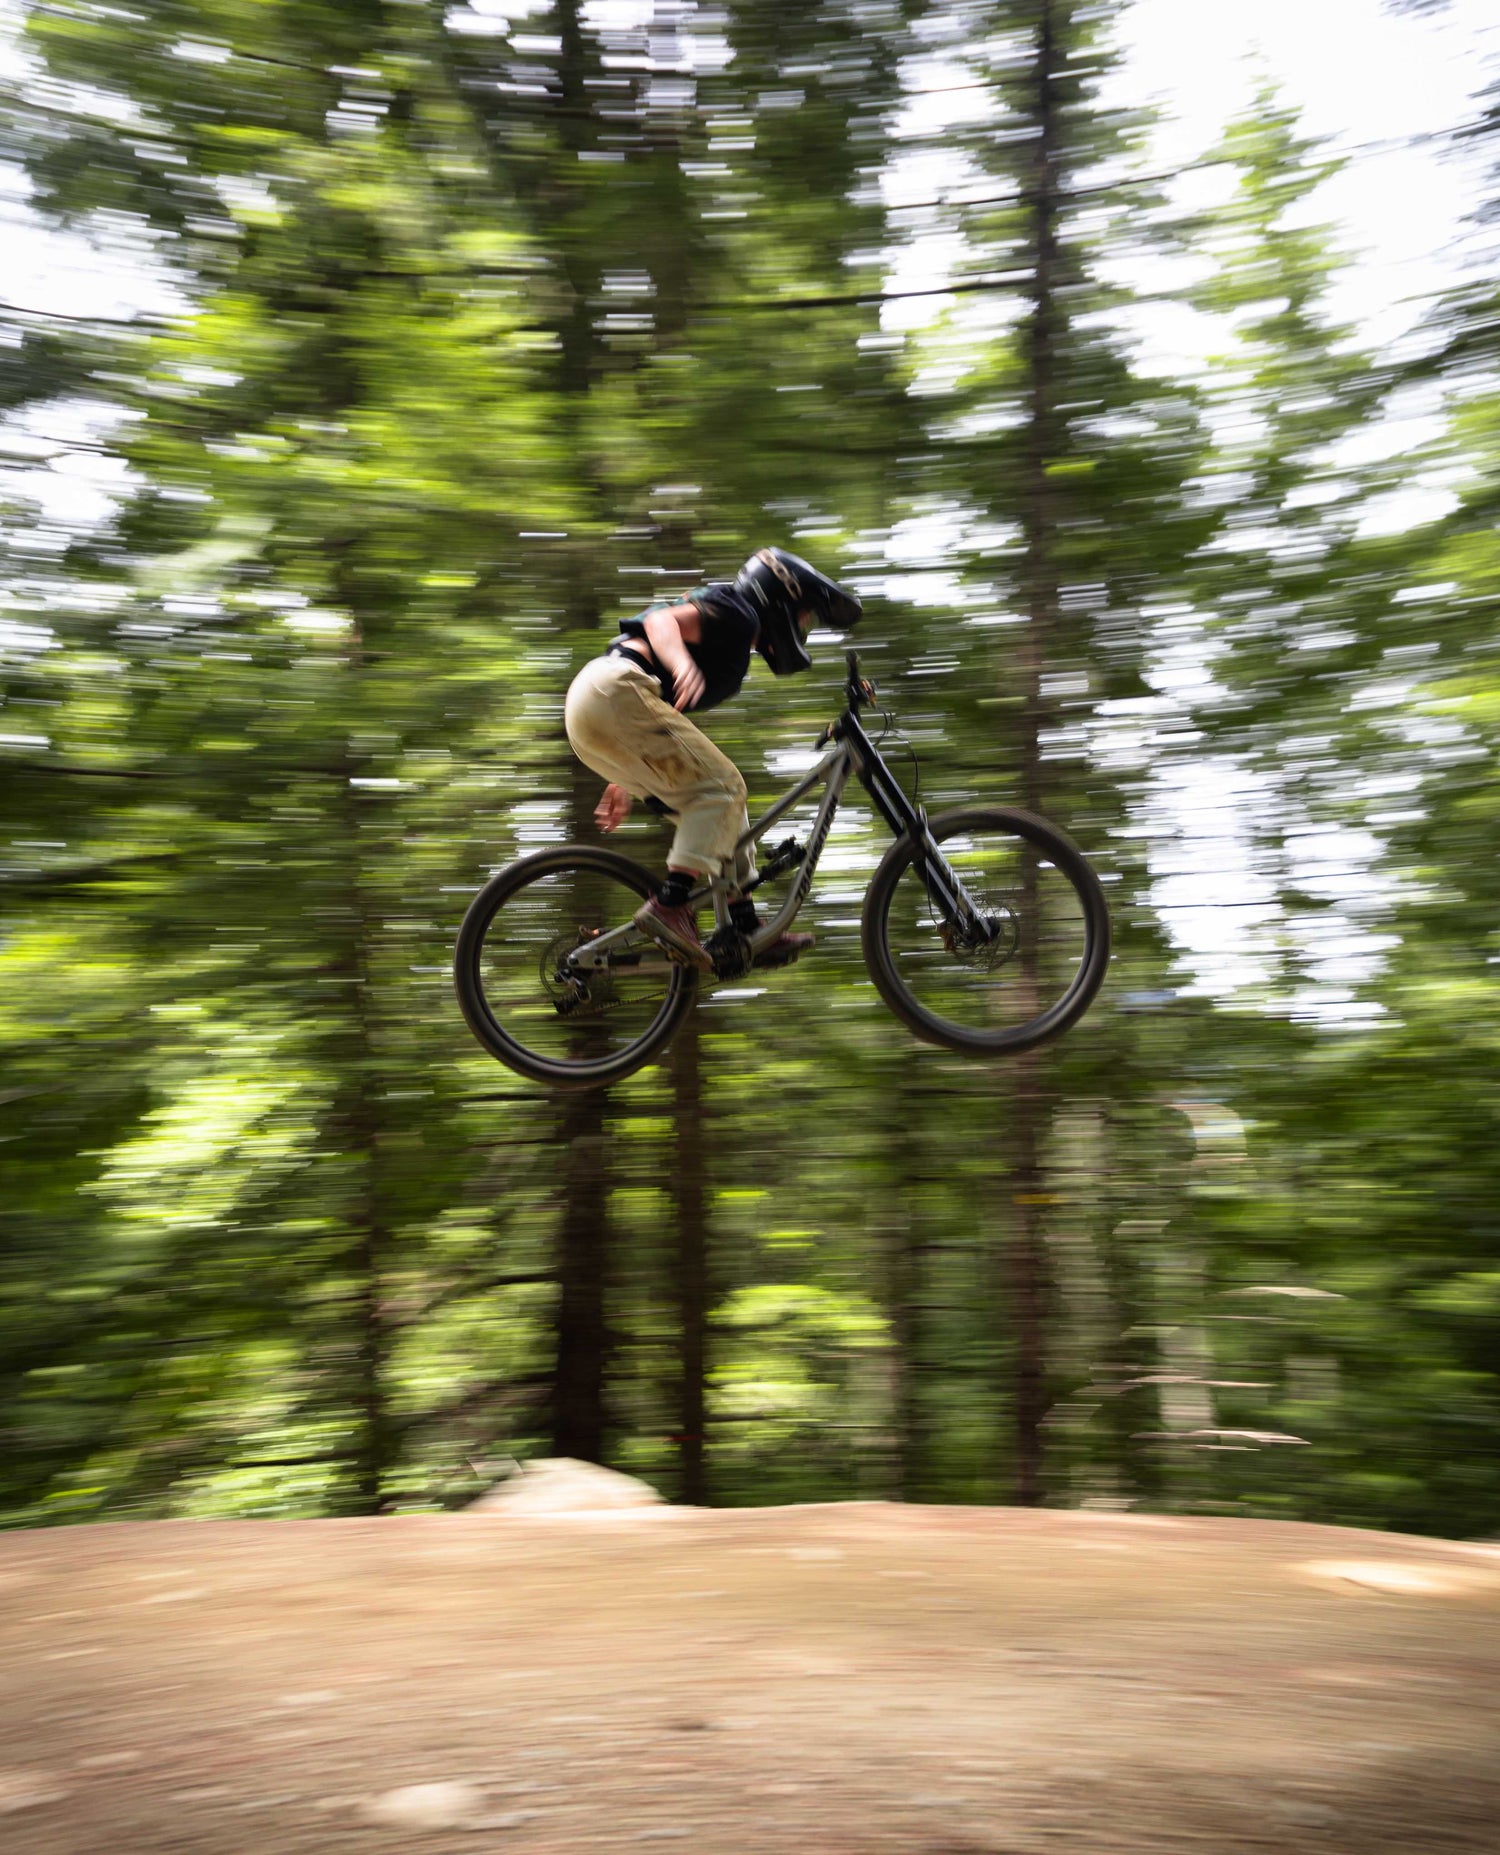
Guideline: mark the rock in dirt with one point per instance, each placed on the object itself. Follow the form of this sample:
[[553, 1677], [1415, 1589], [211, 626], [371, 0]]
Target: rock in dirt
[[427, 1806], [28, 1790], [562, 1485]]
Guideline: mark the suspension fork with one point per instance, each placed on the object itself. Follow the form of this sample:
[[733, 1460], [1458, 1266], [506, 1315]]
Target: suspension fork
[[957, 908]]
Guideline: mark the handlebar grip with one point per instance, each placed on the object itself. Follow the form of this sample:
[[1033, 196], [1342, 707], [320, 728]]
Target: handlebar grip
[[851, 660]]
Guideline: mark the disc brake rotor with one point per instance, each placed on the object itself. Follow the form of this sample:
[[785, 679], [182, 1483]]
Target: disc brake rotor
[[1004, 940]]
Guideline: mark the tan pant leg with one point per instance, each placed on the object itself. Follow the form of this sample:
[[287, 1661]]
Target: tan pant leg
[[600, 716], [619, 725]]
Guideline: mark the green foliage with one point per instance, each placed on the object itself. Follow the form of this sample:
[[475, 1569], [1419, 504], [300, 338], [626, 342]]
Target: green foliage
[[489, 331]]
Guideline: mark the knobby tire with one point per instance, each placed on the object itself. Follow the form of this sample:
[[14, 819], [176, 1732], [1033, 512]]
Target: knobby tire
[[502, 887], [1065, 856]]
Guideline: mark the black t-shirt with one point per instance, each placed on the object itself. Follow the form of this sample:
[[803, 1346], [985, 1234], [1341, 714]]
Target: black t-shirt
[[730, 628]]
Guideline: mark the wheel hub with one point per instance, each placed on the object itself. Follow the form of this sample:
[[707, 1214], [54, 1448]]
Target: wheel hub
[[1000, 943], [568, 989]]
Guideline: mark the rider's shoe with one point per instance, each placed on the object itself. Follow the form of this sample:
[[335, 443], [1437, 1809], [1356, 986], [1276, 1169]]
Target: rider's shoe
[[786, 948], [744, 917], [675, 929]]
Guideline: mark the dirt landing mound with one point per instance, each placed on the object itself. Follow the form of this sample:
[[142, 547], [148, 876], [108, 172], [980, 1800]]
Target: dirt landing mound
[[825, 1680]]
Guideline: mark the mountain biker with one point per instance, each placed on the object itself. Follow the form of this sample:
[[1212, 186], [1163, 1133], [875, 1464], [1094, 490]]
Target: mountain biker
[[626, 719]]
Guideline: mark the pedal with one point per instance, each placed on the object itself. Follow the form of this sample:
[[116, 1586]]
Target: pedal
[[731, 952]]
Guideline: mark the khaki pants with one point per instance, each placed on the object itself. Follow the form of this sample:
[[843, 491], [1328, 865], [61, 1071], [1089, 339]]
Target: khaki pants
[[619, 726]]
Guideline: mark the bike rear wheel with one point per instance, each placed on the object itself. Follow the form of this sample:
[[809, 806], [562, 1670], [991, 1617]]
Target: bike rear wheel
[[1050, 925], [512, 989]]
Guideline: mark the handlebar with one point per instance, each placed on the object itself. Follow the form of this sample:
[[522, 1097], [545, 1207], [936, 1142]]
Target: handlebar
[[859, 691]]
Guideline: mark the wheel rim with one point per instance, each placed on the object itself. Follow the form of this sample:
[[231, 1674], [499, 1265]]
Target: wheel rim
[[1039, 944], [536, 1007]]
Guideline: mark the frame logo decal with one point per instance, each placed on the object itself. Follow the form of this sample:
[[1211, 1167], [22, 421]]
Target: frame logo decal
[[814, 851]]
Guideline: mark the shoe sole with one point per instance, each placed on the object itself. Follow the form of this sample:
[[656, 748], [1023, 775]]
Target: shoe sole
[[770, 962], [697, 957]]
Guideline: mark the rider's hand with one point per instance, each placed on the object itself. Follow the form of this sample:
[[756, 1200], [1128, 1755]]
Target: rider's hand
[[613, 808], [688, 682]]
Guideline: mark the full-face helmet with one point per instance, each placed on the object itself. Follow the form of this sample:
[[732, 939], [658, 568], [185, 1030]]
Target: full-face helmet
[[780, 587]]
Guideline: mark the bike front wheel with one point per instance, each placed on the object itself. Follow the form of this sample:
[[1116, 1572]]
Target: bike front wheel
[[1048, 925], [512, 981]]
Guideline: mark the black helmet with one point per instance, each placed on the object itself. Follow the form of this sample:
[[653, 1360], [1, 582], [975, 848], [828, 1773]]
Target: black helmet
[[778, 587]]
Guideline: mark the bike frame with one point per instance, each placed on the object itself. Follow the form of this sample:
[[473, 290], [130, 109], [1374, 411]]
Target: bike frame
[[851, 751]]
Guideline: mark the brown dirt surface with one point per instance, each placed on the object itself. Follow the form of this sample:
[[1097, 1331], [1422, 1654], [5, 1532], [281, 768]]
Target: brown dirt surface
[[831, 1680]]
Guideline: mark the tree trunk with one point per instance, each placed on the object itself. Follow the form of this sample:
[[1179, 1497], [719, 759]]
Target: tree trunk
[[907, 1287], [578, 1423], [690, 1197], [578, 1426], [583, 1237], [374, 1441], [357, 1118], [1028, 1286], [1028, 1268]]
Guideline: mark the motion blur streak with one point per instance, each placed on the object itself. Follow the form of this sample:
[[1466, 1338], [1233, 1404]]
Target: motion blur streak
[[475, 331]]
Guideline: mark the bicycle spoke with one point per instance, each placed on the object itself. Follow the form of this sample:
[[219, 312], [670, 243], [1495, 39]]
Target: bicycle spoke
[[563, 1013], [1038, 935]]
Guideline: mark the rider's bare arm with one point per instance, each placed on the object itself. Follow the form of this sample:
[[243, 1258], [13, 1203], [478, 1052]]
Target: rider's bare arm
[[669, 632], [613, 808]]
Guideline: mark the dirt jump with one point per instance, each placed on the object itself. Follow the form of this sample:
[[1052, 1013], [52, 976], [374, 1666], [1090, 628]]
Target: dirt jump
[[829, 1680]]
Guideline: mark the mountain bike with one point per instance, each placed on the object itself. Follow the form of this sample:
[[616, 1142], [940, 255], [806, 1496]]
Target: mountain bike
[[984, 930]]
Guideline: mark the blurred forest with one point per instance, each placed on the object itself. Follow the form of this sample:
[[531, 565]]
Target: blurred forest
[[494, 325]]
